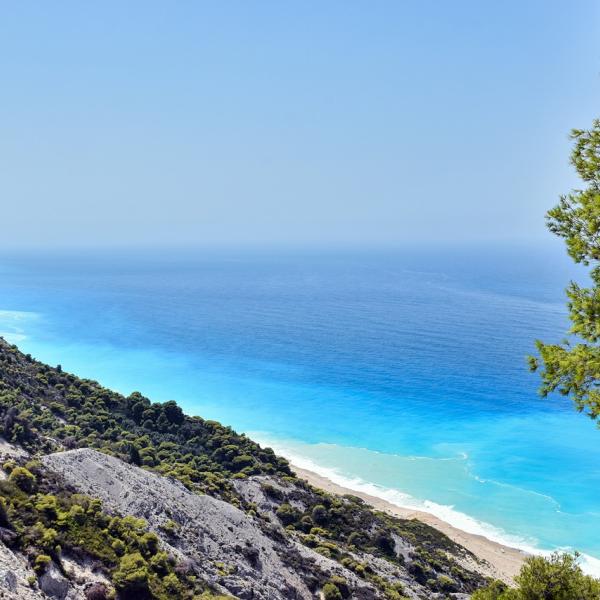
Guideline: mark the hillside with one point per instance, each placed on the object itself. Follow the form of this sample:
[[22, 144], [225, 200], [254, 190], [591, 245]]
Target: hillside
[[107, 495]]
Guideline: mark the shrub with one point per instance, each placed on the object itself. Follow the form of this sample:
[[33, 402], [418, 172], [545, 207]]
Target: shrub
[[46, 504], [323, 550], [41, 562], [385, 542], [23, 479], [287, 514], [341, 585], [251, 554], [320, 515], [160, 563], [131, 576], [419, 572], [119, 547], [4, 522], [172, 584], [331, 592], [169, 527], [272, 492], [446, 584], [149, 544], [9, 421], [244, 460], [9, 465], [77, 514]]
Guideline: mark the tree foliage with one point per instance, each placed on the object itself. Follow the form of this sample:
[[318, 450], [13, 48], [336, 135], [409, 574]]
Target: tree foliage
[[556, 578], [572, 368], [44, 409]]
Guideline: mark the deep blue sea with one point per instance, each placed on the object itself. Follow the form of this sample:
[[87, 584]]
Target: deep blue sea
[[401, 373]]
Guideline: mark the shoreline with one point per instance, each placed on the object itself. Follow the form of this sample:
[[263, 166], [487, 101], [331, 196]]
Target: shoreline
[[499, 561]]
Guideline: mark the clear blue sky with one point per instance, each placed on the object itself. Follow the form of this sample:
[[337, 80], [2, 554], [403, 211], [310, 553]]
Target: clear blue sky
[[289, 122]]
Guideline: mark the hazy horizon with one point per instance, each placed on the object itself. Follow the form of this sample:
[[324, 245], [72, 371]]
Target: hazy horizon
[[194, 125]]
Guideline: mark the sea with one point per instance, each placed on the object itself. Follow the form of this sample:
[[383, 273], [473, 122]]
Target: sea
[[398, 372]]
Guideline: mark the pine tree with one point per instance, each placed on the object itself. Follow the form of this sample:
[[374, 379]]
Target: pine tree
[[573, 367]]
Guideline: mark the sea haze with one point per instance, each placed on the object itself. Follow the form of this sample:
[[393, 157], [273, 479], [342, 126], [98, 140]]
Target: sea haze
[[401, 373]]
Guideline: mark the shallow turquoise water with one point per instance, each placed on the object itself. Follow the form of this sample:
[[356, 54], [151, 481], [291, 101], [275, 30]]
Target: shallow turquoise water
[[402, 373]]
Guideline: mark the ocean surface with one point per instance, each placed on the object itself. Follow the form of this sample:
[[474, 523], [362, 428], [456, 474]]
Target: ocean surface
[[401, 373]]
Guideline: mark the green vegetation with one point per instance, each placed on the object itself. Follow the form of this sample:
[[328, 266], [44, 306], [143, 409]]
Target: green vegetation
[[39, 404], [556, 578], [340, 526], [47, 526], [331, 592], [573, 367]]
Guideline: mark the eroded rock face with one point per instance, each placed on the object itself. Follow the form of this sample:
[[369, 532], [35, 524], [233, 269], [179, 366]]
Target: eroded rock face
[[53, 584], [226, 546], [15, 577]]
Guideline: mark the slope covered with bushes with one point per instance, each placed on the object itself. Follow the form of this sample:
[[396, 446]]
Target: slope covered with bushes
[[44, 407]]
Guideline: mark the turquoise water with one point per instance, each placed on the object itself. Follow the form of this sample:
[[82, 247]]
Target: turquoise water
[[400, 373]]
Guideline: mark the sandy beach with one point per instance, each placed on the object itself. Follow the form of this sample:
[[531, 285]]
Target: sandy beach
[[500, 562]]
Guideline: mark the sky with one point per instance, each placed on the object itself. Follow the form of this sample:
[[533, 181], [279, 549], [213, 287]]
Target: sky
[[304, 123]]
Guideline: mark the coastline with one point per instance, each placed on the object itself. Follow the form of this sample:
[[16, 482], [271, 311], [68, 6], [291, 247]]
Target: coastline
[[498, 561]]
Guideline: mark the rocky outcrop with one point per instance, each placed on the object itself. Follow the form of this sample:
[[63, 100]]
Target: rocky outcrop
[[17, 580], [253, 490], [233, 551], [53, 583]]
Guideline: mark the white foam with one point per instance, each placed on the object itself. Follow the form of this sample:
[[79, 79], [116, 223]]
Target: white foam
[[12, 324], [448, 514]]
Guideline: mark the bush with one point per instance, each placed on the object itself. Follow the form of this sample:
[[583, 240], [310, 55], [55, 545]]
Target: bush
[[355, 539], [47, 505], [169, 527], [149, 543], [119, 547], [320, 515], [446, 584], [341, 585], [23, 479], [160, 563], [419, 571], [9, 421], [172, 585], [556, 578], [41, 562], [331, 592], [131, 575], [9, 465], [385, 542], [287, 514], [324, 551], [4, 522], [272, 492], [559, 575]]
